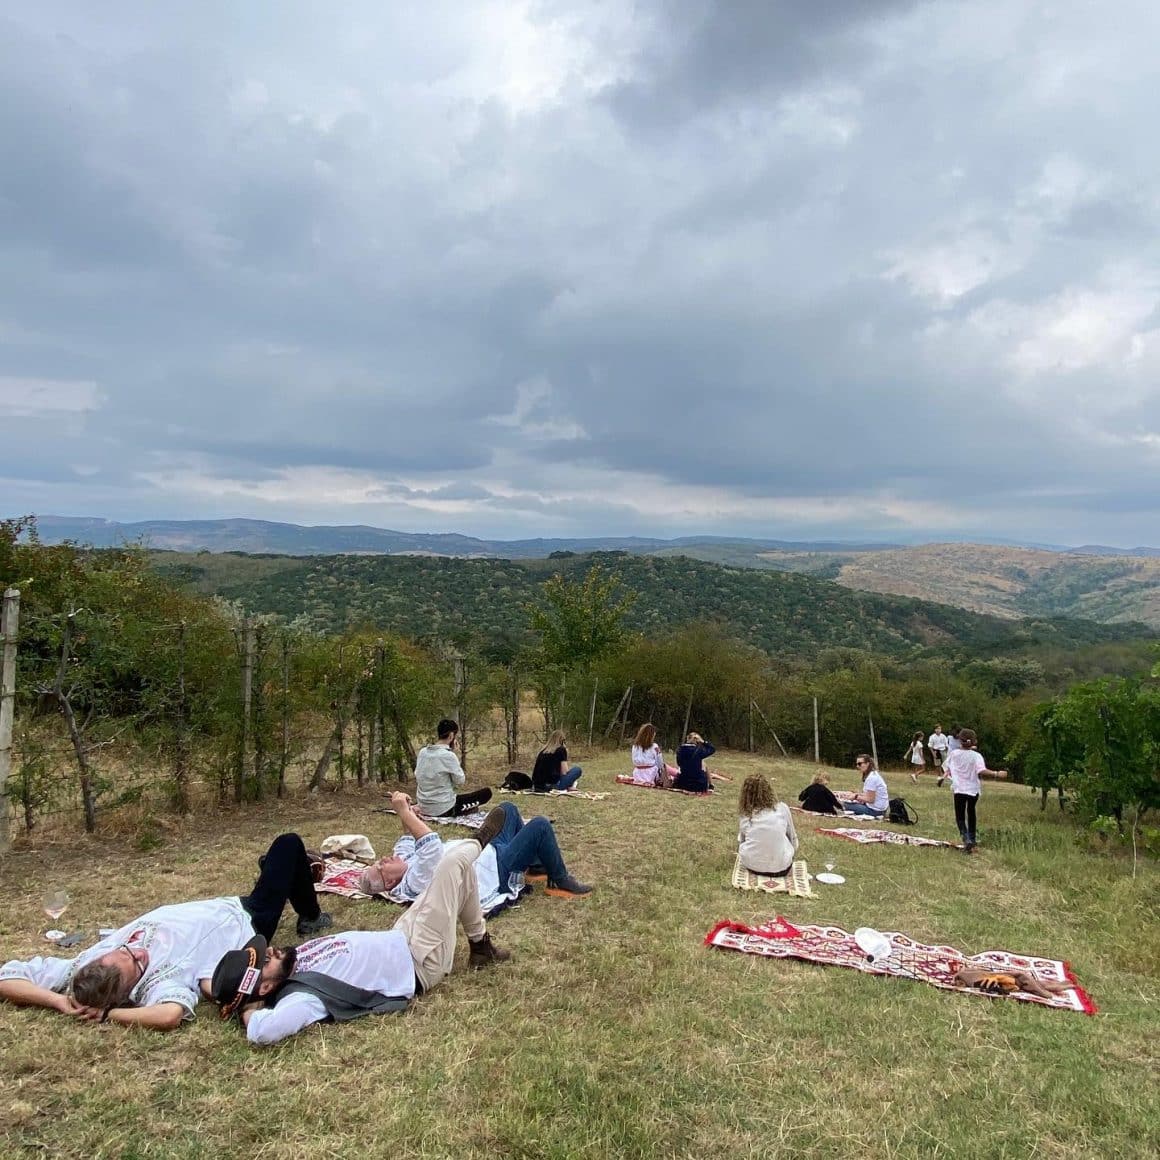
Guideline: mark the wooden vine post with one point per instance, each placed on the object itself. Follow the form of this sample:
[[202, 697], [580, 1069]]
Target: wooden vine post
[[9, 629]]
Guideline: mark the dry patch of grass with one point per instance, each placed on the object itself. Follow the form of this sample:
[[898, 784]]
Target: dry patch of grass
[[615, 1032]]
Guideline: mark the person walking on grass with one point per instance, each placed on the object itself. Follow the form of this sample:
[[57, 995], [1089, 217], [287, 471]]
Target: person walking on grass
[[953, 743], [552, 770], [916, 755], [766, 839], [874, 799], [438, 772], [937, 744], [146, 974], [278, 991], [965, 766]]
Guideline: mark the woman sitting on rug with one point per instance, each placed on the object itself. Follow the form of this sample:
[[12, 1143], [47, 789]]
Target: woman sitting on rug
[[767, 839], [551, 770], [818, 798], [693, 777], [648, 763]]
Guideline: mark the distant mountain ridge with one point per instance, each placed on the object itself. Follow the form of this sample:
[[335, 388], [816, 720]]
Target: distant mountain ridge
[[246, 535]]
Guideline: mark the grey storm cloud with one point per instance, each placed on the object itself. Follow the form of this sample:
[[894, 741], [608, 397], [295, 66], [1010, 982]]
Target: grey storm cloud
[[520, 267]]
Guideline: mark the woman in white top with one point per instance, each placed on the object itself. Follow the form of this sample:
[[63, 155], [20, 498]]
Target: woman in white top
[[766, 838], [874, 800], [916, 755], [648, 764]]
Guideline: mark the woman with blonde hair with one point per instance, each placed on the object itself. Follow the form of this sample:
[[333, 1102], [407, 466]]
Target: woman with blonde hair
[[766, 839], [551, 770], [648, 764], [818, 798]]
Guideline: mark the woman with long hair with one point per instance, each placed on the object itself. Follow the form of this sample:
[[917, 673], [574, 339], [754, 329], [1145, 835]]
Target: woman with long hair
[[766, 838], [648, 763], [552, 770]]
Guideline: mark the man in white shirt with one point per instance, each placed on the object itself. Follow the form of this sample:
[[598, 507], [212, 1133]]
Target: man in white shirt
[[438, 772], [511, 846], [937, 744], [278, 991], [147, 973], [874, 800]]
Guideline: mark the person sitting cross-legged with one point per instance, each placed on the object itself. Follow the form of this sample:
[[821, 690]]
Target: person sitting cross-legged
[[278, 991], [693, 778], [874, 800], [510, 848], [438, 772], [146, 973]]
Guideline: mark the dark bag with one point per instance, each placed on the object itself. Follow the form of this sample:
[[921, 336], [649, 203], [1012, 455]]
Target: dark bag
[[516, 780], [901, 813]]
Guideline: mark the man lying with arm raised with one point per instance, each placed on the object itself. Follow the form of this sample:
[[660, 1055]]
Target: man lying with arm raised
[[146, 974], [278, 991], [511, 846]]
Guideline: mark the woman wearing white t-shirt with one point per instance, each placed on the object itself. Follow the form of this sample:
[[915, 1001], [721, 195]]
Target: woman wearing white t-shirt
[[964, 767], [874, 800]]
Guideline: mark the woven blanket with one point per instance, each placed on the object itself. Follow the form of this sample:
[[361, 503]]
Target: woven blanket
[[888, 836], [796, 882], [626, 779], [572, 793], [832, 946], [472, 820], [341, 876]]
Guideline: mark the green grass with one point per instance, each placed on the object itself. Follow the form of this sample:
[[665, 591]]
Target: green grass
[[615, 1032]]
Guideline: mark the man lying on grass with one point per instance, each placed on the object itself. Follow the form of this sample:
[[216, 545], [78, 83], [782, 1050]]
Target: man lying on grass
[[511, 847], [147, 973], [278, 991]]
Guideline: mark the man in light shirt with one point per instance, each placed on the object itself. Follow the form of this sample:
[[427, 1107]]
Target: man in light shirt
[[515, 846], [278, 991], [937, 744], [874, 800], [438, 772], [146, 973]]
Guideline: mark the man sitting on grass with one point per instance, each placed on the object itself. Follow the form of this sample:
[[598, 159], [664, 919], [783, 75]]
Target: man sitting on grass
[[146, 974], [278, 991], [438, 772], [511, 847]]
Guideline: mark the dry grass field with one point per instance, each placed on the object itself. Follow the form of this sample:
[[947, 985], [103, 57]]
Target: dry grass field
[[614, 1032]]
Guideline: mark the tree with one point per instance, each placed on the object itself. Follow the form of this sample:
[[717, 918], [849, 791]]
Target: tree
[[581, 622]]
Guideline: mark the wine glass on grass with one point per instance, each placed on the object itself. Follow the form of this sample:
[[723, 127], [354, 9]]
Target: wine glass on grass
[[55, 903]]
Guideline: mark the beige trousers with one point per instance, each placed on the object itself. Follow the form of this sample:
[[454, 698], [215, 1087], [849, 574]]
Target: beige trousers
[[430, 924]]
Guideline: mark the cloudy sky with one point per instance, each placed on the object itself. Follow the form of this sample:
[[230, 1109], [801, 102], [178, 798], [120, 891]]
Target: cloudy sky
[[862, 268]]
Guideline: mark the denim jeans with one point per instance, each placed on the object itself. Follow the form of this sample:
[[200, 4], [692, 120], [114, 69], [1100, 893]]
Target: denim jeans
[[520, 845], [569, 779], [863, 809]]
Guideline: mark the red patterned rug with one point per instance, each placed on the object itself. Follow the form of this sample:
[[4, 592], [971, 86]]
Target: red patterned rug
[[887, 836], [832, 946], [626, 779]]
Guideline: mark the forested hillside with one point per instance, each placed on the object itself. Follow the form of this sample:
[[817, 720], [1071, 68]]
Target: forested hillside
[[778, 612]]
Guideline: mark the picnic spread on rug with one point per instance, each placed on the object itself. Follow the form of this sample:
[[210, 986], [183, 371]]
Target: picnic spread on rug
[[995, 974], [796, 882], [888, 836]]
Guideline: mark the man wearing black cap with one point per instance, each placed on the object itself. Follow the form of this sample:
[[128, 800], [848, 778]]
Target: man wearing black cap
[[278, 991], [147, 972]]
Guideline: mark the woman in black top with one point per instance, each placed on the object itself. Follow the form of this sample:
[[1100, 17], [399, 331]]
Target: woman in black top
[[551, 769], [818, 798]]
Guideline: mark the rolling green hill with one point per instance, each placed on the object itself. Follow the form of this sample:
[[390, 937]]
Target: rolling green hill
[[782, 613]]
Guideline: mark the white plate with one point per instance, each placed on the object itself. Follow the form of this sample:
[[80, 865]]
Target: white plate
[[830, 879], [54, 935]]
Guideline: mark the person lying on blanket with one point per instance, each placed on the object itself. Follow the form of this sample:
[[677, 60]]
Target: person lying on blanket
[[818, 798], [693, 777], [277, 991], [874, 800], [511, 846], [146, 974], [766, 840]]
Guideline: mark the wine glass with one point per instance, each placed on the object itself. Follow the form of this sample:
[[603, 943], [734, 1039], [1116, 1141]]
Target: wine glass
[[829, 867], [55, 903]]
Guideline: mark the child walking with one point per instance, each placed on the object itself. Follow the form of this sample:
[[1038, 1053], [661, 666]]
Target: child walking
[[964, 767], [916, 755]]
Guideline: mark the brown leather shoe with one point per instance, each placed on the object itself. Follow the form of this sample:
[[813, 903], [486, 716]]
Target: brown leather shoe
[[492, 824], [484, 953]]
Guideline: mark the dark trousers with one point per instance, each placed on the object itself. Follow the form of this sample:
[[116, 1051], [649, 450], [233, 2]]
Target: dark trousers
[[466, 803], [285, 877], [965, 815], [520, 845]]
